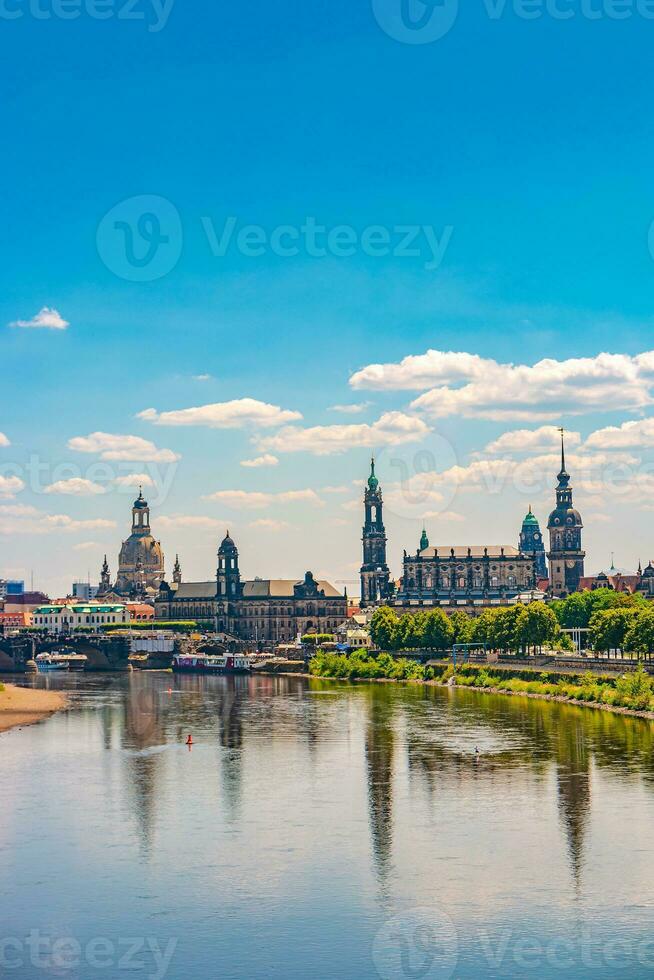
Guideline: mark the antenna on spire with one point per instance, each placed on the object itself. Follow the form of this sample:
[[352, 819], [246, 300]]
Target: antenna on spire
[[562, 431]]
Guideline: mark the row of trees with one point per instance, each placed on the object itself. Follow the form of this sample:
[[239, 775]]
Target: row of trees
[[629, 629], [509, 629], [580, 607]]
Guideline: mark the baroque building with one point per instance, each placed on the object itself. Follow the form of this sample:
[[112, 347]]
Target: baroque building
[[256, 610], [566, 556], [141, 560], [375, 575], [465, 576], [531, 543]]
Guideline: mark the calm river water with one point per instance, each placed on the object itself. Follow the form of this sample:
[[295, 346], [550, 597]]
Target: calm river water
[[323, 830]]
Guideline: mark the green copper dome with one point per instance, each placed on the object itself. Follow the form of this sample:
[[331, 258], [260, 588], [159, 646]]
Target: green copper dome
[[373, 482], [424, 540], [530, 519]]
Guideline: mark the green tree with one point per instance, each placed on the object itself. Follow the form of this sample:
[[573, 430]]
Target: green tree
[[384, 627], [609, 627], [640, 634], [463, 627], [541, 625], [439, 631]]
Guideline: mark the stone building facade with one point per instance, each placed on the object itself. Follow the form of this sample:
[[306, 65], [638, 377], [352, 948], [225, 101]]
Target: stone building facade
[[257, 610], [566, 556], [141, 559], [465, 576]]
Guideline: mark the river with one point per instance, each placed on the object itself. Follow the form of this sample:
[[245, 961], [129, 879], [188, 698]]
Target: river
[[325, 830]]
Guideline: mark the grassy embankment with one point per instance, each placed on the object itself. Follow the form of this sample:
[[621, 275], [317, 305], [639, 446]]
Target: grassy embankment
[[633, 691]]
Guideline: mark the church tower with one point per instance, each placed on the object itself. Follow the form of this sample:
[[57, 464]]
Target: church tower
[[105, 578], [565, 556], [374, 571], [229, 576], [177, 571], [531, 543]]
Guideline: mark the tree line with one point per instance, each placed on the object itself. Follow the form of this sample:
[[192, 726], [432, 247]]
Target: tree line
[[510, 629]]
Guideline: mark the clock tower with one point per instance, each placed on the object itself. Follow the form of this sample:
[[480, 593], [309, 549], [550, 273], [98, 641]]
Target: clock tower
[[566, 556]]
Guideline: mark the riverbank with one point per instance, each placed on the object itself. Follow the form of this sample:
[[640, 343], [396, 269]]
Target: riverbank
[[20, 706], [630, 693]]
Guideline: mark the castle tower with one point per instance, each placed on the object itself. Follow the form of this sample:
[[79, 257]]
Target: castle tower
[[424, 540], [531, 543], [566, 556], [177, 571], [374, 571], [229, 576]]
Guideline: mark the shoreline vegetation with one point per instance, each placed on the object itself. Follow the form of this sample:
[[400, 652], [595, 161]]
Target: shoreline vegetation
[[21, 706], [630, 693]]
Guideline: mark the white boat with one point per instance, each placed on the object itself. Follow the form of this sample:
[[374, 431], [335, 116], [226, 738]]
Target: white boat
[[47, 662]]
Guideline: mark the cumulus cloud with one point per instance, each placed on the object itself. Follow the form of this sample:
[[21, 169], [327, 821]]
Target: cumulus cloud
[[390, 429], [355, 409], [190, 521], [10, 486], [46, 319], [202, 377], [122, 447], [474, 387], [629, 435], [256, 500], [75, 487], [530, 440], [236, 414], [134, 480], [35, 522], [266, 460], [337, 489], [86, 546], [268, 524], [4, 441]]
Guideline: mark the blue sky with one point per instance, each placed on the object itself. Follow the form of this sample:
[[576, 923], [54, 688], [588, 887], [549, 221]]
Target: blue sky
[[523, 146]]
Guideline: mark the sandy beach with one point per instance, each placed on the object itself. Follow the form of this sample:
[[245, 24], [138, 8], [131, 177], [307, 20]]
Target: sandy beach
[[24, 706]]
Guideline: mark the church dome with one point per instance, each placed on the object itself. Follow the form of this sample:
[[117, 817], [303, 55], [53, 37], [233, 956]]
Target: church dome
[[143, 549], [565, 517], [140, 503], [649, 571], [530, 520], [227, 544]]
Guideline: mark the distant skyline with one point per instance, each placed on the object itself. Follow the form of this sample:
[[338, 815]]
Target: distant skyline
[[239, 260]]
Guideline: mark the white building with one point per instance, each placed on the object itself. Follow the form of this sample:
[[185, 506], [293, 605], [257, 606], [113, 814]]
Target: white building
[[63, 618]]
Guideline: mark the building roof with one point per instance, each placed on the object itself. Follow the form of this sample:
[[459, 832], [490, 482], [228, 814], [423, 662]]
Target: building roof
[[259, 588], [282, 588], [530, 519], [472, 551], [81, 608]]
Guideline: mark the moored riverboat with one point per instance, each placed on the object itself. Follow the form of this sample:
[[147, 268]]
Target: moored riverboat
[[204, 663]]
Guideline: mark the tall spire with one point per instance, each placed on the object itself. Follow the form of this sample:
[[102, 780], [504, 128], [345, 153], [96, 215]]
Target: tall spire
[[373, 482], [424, 540], [564, 476]]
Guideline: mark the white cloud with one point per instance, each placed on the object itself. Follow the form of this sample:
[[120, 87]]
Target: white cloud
[[629, 435], [451, 516], [255, 500], [266, 460], [235, 414], [474, 387], [202, 377], [268, 524], [47, 318], [75, 487], [35, 522], [18, 510], [86, 546], [122, 447], [390, 429], [530, 440], [341, 489], [354, 409], [10, 486], [190, 521], [597, 519], [4, 441], [134, 480]]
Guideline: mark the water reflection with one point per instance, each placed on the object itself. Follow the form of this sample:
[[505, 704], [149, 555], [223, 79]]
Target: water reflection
[[323, 800]]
